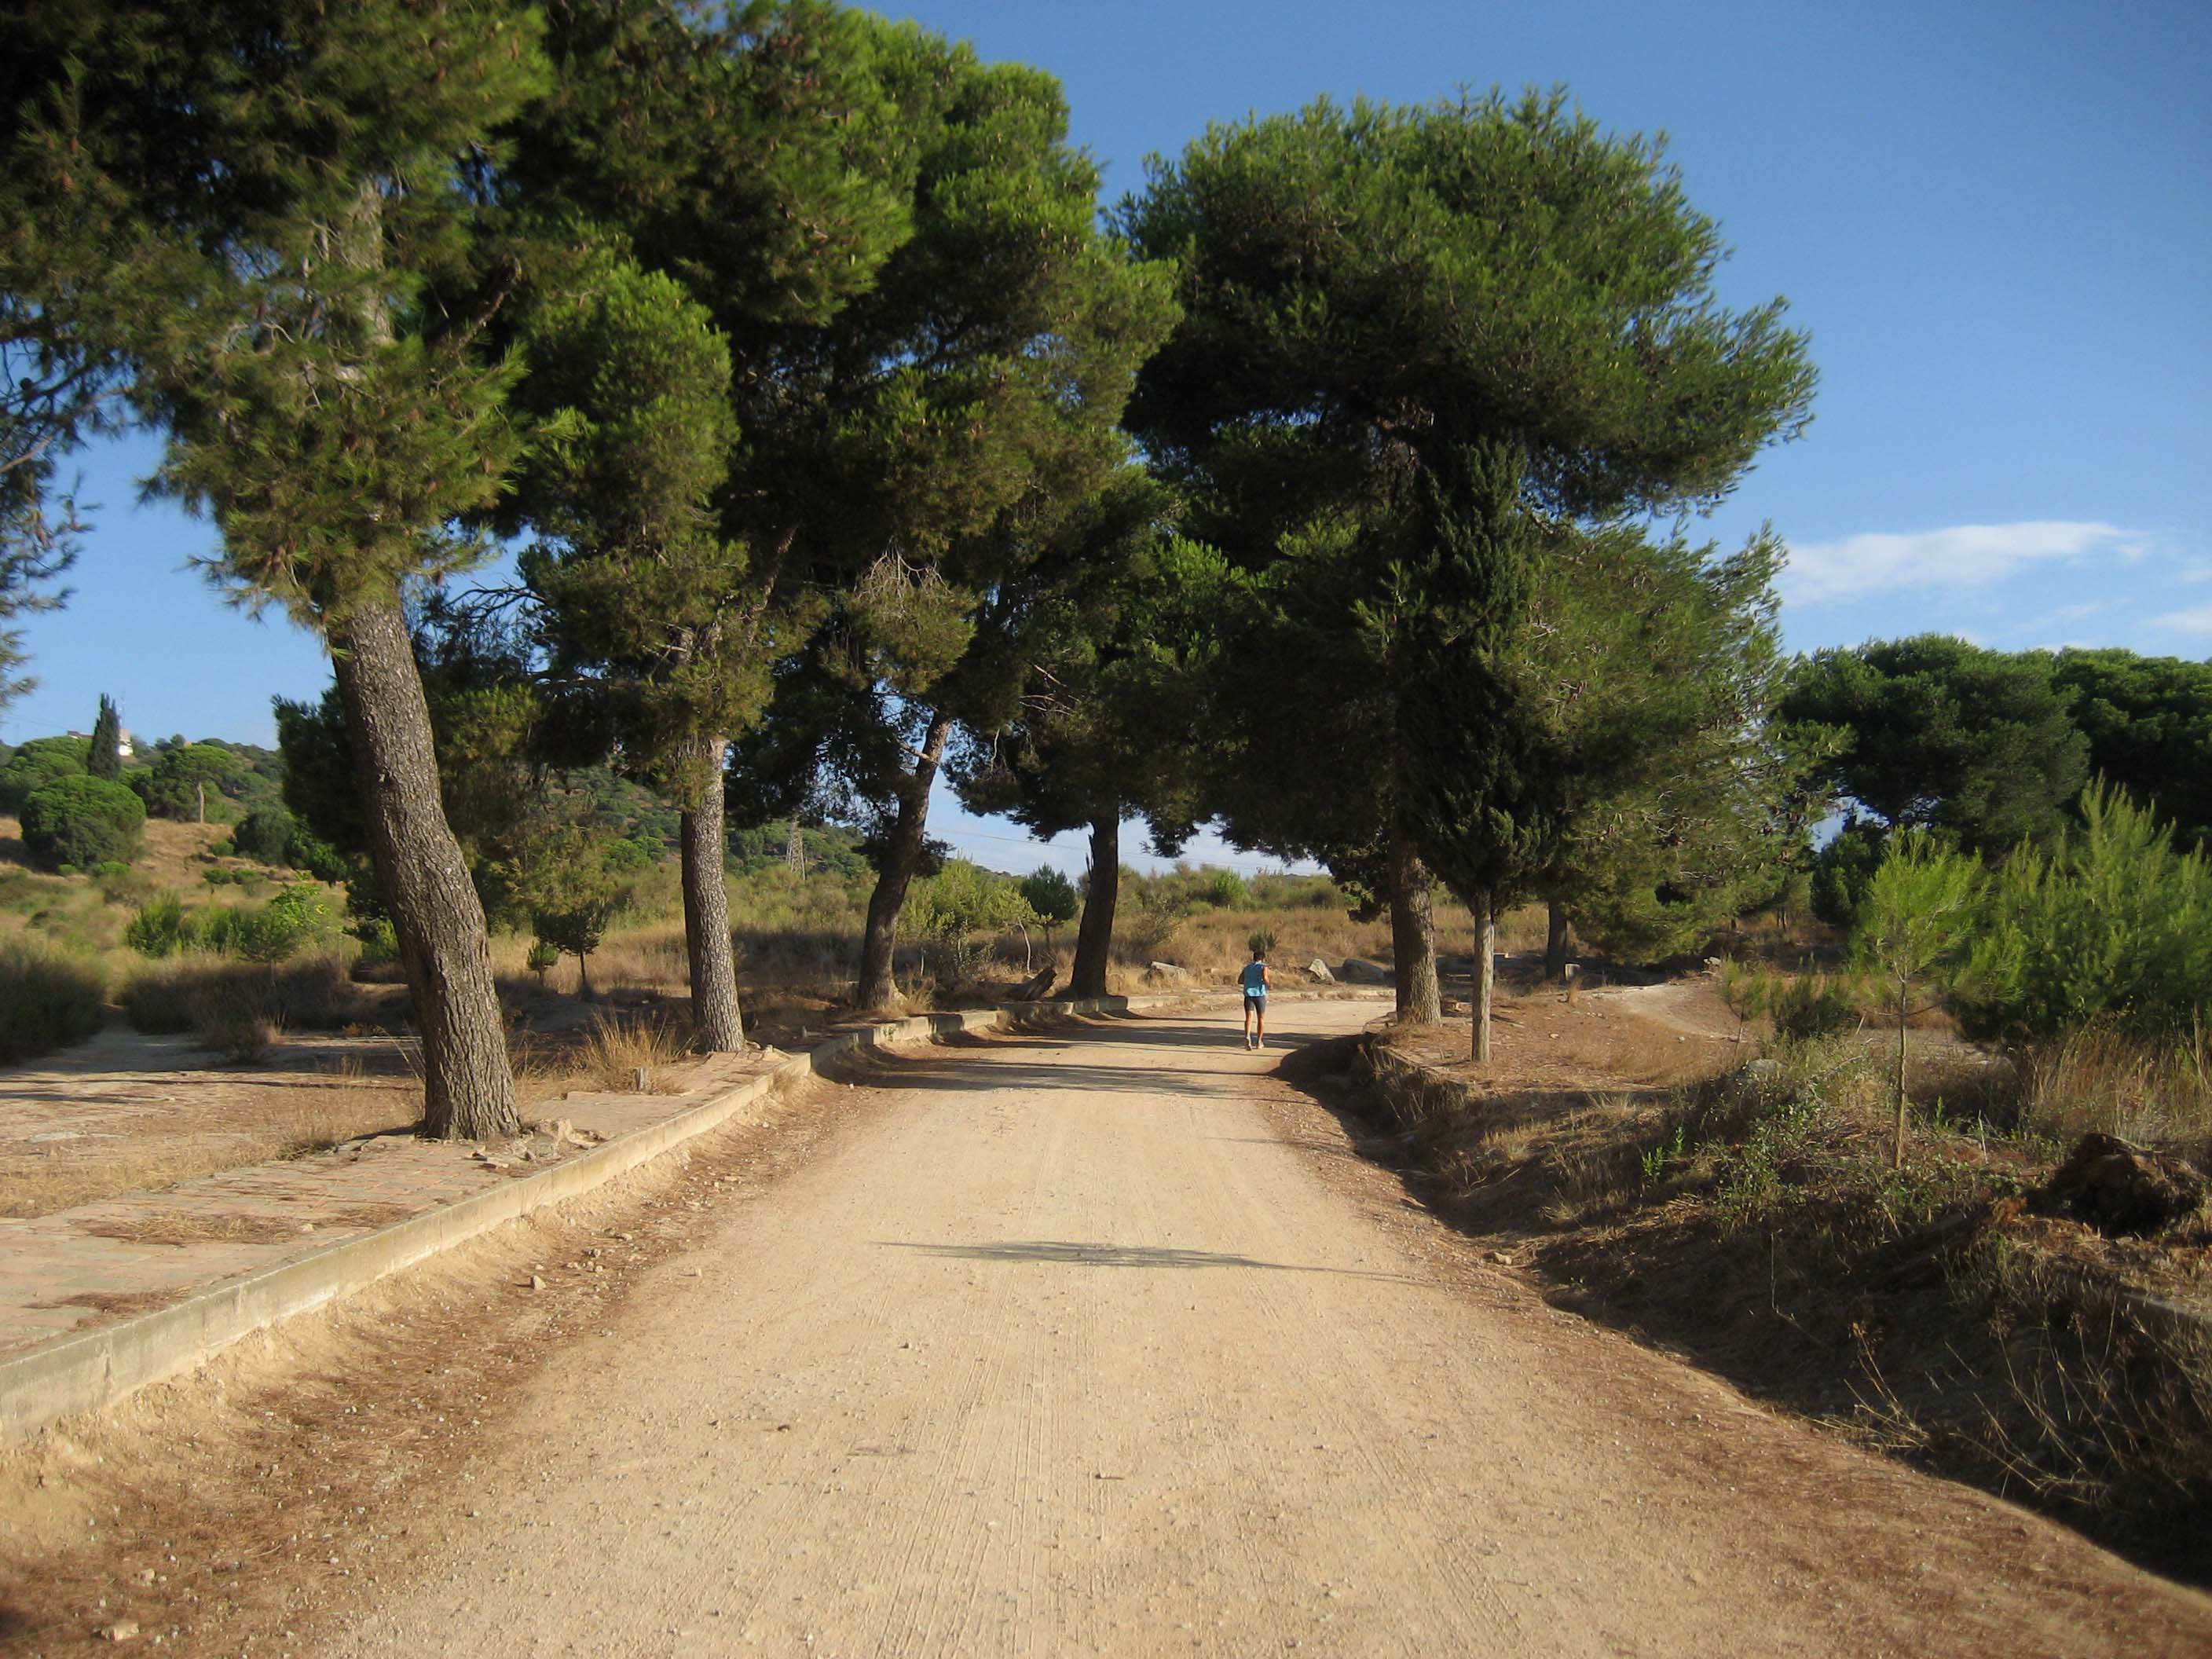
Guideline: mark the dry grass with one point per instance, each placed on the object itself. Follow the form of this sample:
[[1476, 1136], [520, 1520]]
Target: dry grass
[[227, 1129], [2104, 1081], [1754, 1219], [1638, 1051], [1215, 944], [183, 1228], [609, 1055], [239, 1006], [173, 854]]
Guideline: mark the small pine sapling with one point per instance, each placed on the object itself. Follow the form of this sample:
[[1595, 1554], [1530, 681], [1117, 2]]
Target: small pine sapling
[[1916, 926]]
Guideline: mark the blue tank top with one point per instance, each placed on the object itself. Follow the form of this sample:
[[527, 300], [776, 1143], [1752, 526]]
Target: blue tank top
[[1255, 979]]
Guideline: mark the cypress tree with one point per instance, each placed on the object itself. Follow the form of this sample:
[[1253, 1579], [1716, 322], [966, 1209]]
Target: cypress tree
[[105, 760]]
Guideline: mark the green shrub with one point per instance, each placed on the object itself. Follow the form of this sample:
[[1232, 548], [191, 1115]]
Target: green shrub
[[82, 821], [1052, 895], [1806, 1007], [295, 918], [2112, 927], [160, 928], [319, 858], [961, 901], [48, 999], [266, 834], [380, 939], [1844, 868], [39, 762], [1224, 889]]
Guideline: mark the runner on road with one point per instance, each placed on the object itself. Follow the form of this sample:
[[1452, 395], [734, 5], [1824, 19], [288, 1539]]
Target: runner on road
[[1257, 981]]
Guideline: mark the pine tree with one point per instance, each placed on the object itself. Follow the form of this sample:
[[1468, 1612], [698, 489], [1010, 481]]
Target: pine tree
[[1387, 309], [754, 163], [949, 417], [1686, 801], [644, 604], [302, 165], [1933, 733], [105, 760], [1115, 622]]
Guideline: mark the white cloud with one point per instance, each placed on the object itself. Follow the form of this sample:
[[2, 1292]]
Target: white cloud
[[1963, 555], [2197, 620], [2063, 615]]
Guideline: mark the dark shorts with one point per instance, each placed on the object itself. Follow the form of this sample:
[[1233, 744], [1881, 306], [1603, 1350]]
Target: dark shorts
[[1255, 1004]]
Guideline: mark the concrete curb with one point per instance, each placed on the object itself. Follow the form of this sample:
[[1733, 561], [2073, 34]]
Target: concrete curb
[[89, 1370]]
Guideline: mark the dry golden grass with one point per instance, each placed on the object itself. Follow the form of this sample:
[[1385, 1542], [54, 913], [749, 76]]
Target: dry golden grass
[[239, 1008], [173, 854], [2109, 1083], [182, 1230], [1636, 1050], [607, 1056], [1215, 944], [228, 1127]]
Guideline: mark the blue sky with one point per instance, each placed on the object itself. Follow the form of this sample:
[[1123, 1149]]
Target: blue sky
[[1996, 221]]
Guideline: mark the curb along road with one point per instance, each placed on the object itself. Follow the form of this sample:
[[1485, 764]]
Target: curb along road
[[89, 1370]]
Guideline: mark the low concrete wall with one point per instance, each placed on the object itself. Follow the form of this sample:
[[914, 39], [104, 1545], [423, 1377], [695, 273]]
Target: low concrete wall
[[85, 1370]]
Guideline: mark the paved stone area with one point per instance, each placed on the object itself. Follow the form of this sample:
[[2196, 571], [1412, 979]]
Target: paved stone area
[[105, 1260]]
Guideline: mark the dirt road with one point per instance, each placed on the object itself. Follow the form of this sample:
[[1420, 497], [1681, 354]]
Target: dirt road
[[1107, 1345]]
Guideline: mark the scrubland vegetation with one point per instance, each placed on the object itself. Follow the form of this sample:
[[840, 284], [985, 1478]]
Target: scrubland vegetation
[[1901, 1210], [845, 447]]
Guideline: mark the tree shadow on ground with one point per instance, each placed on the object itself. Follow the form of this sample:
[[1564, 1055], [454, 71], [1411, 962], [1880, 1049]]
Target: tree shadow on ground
[[1074, 1253]]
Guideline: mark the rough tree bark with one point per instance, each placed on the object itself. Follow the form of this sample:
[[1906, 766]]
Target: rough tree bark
[[1094, 935], [1413, 934], [1486, 972], [717, 1024], [1555, 942], [468, 1085], [901, 855]]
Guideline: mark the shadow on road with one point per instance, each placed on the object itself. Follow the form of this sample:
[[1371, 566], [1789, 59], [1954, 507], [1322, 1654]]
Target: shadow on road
[[964, 1063], [1067, 1253]]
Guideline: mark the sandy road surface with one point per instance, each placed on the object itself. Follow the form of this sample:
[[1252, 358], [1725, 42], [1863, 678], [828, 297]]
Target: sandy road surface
[[1105, 1345]]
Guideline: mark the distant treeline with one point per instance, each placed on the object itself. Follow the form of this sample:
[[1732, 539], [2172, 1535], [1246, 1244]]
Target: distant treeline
[[1990, 750]]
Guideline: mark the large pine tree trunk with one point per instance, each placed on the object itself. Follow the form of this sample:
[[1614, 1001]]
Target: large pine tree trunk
[[717, 1025], [1555, 942], [468, 1086], [877, 989], [1413, 934], [1486, 972], [1094, 935]]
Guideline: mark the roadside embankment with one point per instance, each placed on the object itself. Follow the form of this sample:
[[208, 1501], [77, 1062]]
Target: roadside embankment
[[1958, 1311]]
